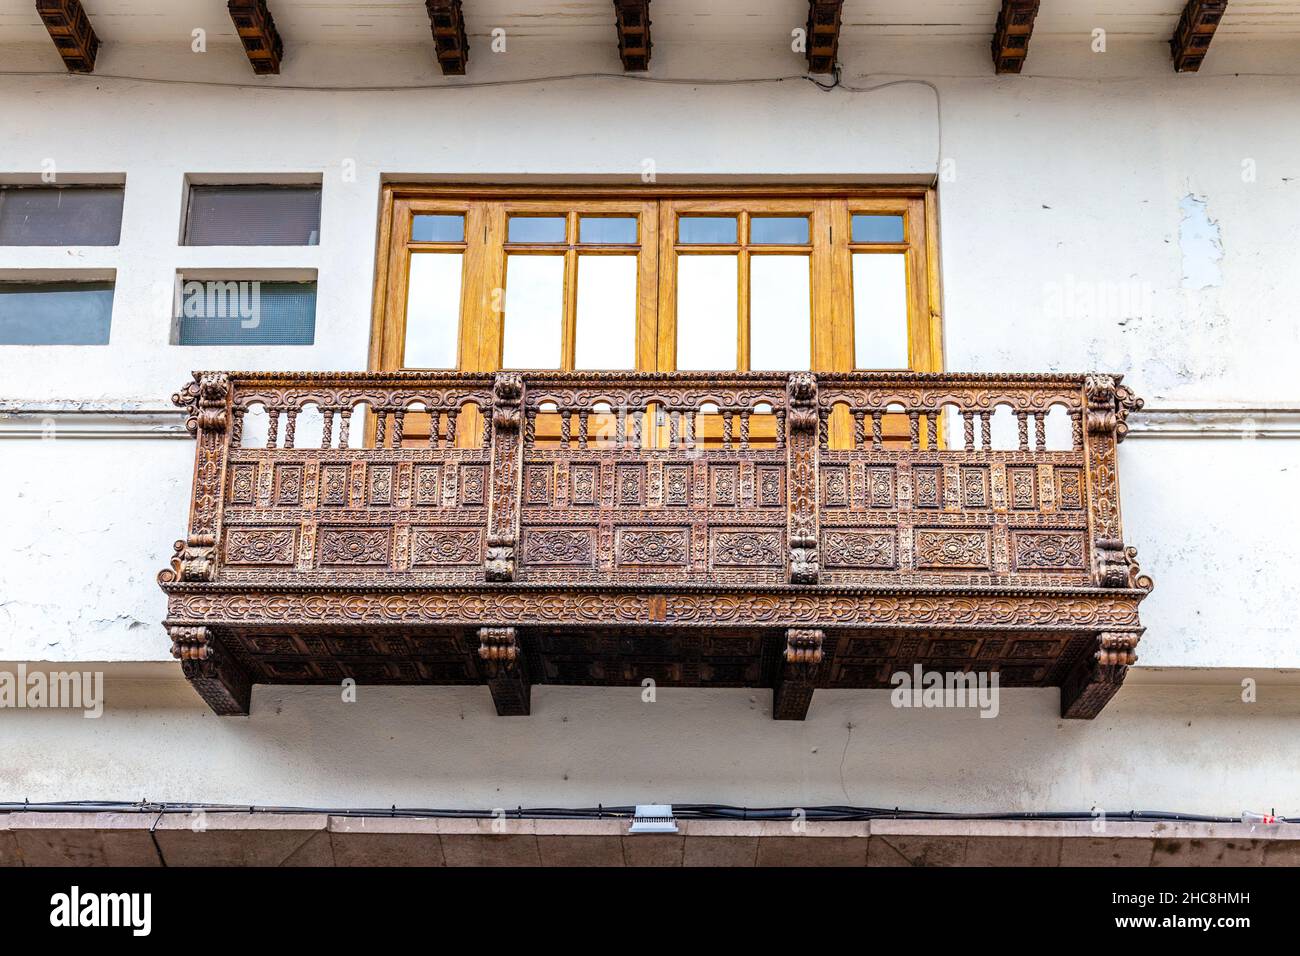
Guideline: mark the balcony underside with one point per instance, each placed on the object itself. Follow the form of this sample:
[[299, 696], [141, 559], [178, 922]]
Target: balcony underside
[[793, 640]]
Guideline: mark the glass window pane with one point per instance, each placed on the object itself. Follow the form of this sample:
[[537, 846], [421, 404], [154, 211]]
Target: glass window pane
[[536, 229], [534, 311], [606, 321], [433, 310], [246, 312], [710, 230], [610, 230], [877, 228], [707, 305], [438, 228], [60, 216], [779, 230], [880, 310], [253, 216], [55, 313], [780, 314]]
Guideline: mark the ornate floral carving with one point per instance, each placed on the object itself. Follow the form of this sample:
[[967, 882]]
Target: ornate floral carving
[[747, 549], [1048, 549], [926, 483], [445, 546], [653, 546], [952, 549], [260, 546], [353, 546], [572, 546], [859, 549]]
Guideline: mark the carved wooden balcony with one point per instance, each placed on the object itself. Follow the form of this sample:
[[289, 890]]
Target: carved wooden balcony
[[731, 530]]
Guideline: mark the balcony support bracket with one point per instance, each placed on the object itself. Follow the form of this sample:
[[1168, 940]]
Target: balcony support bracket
[[1097, 677], [503, 667], [220, 680], [799, 673]]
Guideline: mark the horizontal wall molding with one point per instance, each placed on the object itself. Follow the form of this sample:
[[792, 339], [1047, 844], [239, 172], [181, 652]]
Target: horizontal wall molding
[[54, 420], [1216, 421]]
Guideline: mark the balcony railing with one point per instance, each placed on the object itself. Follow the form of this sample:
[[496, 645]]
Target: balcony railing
[[737, 530]]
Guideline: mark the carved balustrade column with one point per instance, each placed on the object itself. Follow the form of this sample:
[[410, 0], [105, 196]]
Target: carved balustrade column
[[801, 476], [505, 483], [207, 400], [1107, 405]]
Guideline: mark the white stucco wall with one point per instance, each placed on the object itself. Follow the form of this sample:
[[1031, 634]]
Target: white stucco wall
[[1188, 747], [1093, 215]]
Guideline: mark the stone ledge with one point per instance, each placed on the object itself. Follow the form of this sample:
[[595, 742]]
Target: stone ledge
[[322, 839]]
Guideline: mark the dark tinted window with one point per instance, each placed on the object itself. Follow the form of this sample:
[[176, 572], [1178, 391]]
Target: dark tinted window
[[60, 215], [253, 216]]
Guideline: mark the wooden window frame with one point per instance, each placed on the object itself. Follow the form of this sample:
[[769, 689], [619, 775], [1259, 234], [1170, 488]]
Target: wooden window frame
[[486, 209]]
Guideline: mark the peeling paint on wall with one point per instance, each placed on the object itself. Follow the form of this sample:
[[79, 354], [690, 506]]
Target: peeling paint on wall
[[1201, 244]]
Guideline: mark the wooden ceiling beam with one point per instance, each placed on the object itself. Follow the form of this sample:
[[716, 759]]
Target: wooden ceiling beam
[[256, 29], [632, 17], [823, 41], [1191, 39], [70, 29], [1011, 36], [447, 21]]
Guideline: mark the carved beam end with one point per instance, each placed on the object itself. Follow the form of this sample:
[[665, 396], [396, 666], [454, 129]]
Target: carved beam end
[[1011, 35], [823, 40], [1195, 30], [219, 679], [501, 663], [70, 29], [447, 22], [257, 31], [632, 19], [1098, 676], [804, 653]]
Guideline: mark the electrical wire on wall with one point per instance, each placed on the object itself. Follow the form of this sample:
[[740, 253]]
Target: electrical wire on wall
[[795, 78]]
